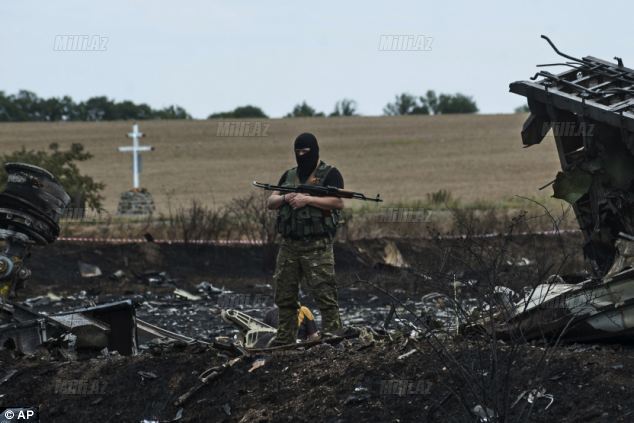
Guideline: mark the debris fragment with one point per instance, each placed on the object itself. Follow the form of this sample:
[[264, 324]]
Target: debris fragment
[[147, 375], [111, 327], [178, 416], [8, 375], [226, 408], [360, 394], [257, 364], [484, 414], [118, 275], [206, 377], [533, 395], [42, 300], [154, 278], [254, 333], [209, 288], [392, 255], [32, 203], [87, 270], [584, 311], [186, 295], [407, 354], [523, 262]]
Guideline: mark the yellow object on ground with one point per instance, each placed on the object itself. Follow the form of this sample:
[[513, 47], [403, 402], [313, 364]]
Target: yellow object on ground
[[5, 289]]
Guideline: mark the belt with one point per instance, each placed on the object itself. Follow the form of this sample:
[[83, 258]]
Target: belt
[[308, 238]]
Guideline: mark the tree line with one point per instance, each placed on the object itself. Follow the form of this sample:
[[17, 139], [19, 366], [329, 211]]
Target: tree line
[[403, 104], [27, 106]]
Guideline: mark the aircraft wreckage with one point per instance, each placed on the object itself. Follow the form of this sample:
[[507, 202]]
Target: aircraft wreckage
[[30, 209], [590, 110]]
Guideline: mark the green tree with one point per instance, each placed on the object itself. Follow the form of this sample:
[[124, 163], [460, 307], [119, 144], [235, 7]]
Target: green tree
[[171, 112], [405, 104], [430, 101], [304, 110], [96, 109], [455, 103], [28, 104], [345, 107], [247, 111], [83, 190], [52, 109], [7, 108], [448, 103], [522, 109]]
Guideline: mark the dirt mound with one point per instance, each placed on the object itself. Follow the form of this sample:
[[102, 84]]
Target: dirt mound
[[387, 379], [347, 382]]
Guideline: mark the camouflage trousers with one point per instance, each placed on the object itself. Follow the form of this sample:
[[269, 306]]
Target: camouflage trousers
[[313, 263]]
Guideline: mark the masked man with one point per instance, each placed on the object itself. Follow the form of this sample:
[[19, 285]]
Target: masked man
[[307, 225]]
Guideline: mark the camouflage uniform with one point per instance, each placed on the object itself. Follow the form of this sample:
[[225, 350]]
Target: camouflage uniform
[[312, 262], [306, 256]]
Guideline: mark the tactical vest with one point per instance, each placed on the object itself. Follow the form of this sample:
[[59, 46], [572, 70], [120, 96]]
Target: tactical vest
[[307, 221]]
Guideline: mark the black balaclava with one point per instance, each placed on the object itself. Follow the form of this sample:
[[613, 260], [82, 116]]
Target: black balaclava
[[308, 162]]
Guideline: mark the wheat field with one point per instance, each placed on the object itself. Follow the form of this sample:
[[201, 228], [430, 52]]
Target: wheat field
[[475, 157]]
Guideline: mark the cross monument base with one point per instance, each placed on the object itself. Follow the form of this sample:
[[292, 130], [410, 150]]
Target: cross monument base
[[136, 202]]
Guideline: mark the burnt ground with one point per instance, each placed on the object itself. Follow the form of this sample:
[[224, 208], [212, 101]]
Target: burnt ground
[[355, 380]]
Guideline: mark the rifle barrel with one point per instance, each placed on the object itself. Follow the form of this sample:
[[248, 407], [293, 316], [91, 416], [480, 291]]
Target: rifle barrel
[[318, 190]]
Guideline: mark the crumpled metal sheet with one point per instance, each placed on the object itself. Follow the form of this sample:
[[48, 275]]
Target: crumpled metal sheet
[[25, 337], [90, 332], [110, 325], [588, 311]]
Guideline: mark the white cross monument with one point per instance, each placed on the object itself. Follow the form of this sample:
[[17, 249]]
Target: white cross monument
[[135, 149]]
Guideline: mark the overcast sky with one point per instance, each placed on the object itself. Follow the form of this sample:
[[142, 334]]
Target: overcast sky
[[210, 56]]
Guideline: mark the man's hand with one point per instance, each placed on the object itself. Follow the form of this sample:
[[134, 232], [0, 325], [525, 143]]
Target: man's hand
[[277, 200], [324, 203], [298, 200]]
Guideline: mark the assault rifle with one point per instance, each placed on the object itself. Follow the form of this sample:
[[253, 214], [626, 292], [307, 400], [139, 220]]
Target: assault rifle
[[318, 191]]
